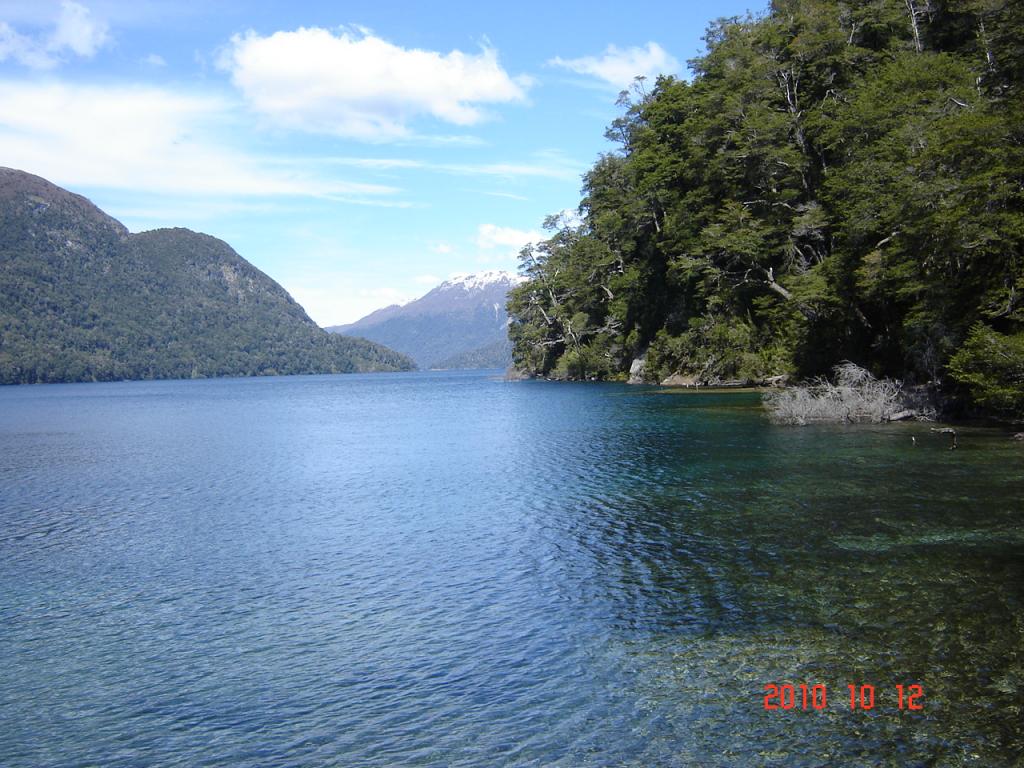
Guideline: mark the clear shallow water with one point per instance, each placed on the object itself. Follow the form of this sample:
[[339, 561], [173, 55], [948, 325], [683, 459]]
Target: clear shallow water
[[441, 569]]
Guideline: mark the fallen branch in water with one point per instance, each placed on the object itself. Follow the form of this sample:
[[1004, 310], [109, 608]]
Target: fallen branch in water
[[947, 431]]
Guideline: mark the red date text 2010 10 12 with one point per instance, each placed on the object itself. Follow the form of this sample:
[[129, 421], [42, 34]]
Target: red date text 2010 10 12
[[811, 697]]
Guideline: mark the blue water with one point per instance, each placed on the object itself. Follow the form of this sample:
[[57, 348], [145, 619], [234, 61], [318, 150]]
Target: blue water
[[447, 569]]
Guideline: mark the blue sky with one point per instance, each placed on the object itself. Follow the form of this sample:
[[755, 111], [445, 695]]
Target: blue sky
[[357, 152]]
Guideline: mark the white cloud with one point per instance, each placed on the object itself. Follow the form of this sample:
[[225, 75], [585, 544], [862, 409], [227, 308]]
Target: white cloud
[[618, 67], [147, 139], [382, 297], [512, 170], [335, 298], [155, 60], [490, 236], [357, 85], [553, 166], [569, 217], [22, 49], [441, 248], [427, 280], [75, 30], [78, 31], [376, 163], [500, 246], [507, 195], [145, 214]]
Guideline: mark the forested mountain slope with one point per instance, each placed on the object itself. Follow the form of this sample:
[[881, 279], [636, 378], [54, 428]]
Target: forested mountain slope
[[839, 181], [81, 299]]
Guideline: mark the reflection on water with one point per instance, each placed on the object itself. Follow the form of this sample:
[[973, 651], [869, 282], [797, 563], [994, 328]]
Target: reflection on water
[[448, 569]]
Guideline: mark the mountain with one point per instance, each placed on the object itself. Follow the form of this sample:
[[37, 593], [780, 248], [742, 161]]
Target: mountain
[[459, 324], [81, 299], [495, 355]]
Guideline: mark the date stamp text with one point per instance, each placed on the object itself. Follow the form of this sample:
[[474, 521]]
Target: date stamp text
[[856, 697]]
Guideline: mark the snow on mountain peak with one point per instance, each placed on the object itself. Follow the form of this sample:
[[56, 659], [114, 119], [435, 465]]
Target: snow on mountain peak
[[479, 280]]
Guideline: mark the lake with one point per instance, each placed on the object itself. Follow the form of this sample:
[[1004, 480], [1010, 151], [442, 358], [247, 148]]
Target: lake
[[447, 569]]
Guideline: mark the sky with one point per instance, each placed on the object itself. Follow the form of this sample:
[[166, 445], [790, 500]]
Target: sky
[[357, 152]]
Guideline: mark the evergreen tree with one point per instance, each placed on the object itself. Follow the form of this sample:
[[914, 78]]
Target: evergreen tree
[[839, 181]]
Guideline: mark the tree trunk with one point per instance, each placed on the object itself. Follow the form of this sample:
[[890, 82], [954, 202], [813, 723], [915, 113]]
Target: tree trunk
[[913, 24]]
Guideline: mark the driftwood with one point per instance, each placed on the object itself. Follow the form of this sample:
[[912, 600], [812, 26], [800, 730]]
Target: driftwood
[[947, 431], [902, 415], [855, 396]]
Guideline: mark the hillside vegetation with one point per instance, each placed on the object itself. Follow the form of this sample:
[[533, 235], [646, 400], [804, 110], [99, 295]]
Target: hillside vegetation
[[840, 181], [81, 299]]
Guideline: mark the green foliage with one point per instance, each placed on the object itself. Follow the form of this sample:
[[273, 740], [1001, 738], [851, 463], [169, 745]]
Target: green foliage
[[991, 364], [715, 349], [496, 355], [838, 182], [82, 300]]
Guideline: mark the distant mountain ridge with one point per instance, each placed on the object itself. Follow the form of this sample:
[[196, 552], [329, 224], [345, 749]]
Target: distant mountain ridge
[[81, 299], [459, 324]]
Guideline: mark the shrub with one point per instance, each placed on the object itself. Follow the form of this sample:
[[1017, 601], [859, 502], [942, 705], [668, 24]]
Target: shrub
[[855, 396], [991, 366], [589, 361]]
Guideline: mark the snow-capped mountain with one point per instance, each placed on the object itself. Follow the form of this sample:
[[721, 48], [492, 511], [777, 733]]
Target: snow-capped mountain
[[479, 281], [460, 323]]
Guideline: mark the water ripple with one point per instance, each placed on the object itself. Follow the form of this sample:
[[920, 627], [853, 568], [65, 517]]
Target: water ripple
[[448, 570]]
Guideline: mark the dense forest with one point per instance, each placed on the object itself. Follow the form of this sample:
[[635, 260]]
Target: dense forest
[[839, 181], [495, 355], [81, 299]]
